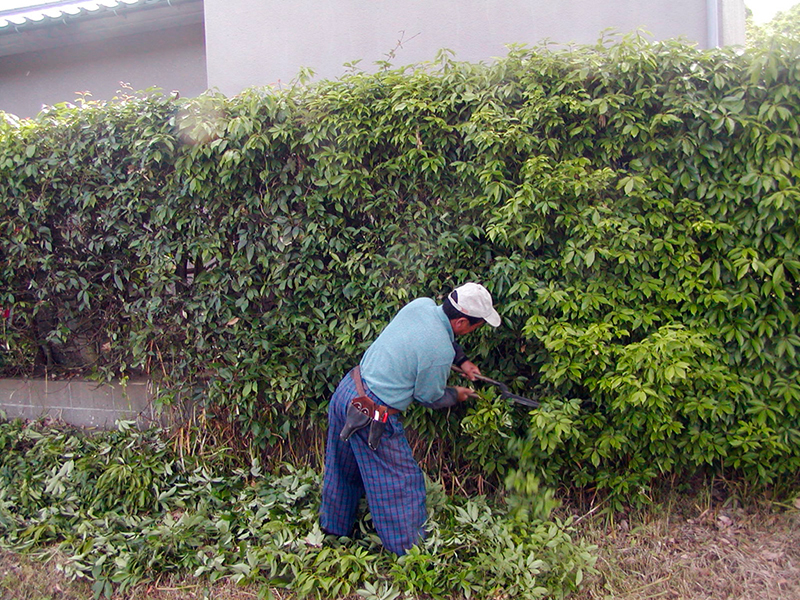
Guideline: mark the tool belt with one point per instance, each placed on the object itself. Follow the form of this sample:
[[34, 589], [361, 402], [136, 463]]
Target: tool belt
[[364, 411]]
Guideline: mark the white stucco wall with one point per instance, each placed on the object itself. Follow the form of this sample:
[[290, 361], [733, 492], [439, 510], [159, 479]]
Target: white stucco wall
[[269, 41]]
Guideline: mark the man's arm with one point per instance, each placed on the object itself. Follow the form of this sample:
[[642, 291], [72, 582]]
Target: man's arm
[[451, 397], [431, 389], [469, 368]]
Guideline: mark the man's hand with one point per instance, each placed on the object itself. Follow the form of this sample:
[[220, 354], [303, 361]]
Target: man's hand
[[469, 369], [464, 393]]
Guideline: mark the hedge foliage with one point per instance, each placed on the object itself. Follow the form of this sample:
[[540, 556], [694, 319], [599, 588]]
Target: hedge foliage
[[632, 207]]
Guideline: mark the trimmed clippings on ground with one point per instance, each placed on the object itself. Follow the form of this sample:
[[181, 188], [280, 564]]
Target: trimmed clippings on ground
[[679, 550]]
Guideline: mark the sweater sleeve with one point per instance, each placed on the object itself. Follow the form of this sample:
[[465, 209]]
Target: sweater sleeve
[[460, 356], [450, 398], [430, 385]]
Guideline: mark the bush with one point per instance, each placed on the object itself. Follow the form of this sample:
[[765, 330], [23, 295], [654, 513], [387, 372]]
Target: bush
[[631, 206]]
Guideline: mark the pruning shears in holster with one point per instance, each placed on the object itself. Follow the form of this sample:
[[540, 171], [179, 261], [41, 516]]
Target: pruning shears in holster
[[363, 411]]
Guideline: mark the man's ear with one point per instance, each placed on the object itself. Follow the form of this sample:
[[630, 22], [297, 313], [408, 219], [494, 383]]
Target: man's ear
[[459, 325]]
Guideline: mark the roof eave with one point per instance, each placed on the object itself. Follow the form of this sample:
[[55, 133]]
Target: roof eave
[[100, 25]]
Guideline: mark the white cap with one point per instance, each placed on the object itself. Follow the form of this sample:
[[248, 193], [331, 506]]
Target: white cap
[[474, 300]]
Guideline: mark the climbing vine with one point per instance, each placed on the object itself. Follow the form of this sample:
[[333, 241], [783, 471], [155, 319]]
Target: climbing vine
[[631, 206]]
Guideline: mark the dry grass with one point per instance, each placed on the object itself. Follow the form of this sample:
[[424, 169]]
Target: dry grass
[[698, 553], [680, 549]]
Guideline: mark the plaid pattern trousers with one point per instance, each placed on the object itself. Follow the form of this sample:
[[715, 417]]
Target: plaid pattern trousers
[[390, 477]]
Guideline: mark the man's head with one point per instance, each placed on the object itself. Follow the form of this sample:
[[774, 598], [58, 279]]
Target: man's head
[[468, 307]]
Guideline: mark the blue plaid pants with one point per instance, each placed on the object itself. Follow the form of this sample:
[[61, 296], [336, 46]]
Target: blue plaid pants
[[390, 478]]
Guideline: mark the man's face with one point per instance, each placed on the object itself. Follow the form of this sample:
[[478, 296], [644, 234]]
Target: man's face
[[462, 326]]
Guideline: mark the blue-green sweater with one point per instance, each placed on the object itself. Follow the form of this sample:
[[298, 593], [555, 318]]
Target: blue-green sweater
[[411, 358]]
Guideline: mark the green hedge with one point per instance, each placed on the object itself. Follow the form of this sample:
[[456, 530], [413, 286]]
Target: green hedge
[[632, 207]]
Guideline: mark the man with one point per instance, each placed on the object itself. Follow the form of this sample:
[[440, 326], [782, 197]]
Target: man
[[367, 451]]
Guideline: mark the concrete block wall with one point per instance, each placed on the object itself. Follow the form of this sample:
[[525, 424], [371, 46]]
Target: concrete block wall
[[83, 403]]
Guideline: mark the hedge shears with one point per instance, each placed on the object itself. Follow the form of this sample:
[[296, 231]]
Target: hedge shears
[[504, 391]]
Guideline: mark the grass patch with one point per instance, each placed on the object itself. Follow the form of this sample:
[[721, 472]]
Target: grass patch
[[699, 546], [681, 547], [121, 515]]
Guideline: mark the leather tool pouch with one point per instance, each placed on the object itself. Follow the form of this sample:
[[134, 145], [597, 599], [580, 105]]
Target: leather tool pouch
[[362, 412], [376, 429], [356, 418]]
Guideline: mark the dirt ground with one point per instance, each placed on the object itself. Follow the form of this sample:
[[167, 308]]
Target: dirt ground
[[674, 551]]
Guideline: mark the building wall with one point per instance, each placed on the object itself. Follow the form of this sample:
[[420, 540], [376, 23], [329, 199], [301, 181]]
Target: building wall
[[269, 41], [172, 59], [193, 45], [732, 23]]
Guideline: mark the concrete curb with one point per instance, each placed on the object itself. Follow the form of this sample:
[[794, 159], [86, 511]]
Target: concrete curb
[[84, 403]]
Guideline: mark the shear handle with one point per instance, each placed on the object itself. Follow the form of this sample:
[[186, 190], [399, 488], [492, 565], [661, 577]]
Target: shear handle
[[504, 391]]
